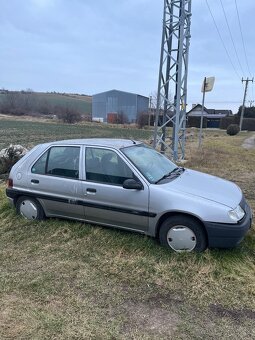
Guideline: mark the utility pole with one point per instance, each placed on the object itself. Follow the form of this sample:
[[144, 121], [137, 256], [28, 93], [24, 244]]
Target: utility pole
[[150, 111], [173, 73], [244, 98], [202, 114]]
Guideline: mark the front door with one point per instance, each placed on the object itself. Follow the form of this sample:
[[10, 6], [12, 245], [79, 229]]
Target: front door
[[105, 199]]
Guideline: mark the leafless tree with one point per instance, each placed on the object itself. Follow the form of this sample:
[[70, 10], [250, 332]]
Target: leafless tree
[[67, 114], [142, 120]]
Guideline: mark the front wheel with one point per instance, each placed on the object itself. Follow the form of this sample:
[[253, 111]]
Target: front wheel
[[29, 208], [183, 233]]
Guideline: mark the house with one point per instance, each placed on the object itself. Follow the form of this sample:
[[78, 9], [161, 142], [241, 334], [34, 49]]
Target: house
[[118, 106], [211, 117]]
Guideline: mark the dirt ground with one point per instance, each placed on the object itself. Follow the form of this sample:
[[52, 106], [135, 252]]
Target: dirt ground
[[249, 143]]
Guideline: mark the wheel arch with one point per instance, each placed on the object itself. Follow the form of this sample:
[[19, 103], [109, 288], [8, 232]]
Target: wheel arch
[[40, 210], [169, 214]]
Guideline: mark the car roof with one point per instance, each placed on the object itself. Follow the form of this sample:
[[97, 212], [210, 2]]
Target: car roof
[[109, 142]]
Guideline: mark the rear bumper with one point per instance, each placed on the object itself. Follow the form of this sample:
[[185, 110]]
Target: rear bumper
[[221, 235], [11, 201]]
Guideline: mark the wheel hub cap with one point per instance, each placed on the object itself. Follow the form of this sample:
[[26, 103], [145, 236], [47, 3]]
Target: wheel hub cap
[[28, 210], [181, 238]]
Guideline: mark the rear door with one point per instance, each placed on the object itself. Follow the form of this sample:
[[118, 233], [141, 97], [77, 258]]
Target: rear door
[[105, 199], [54, 178]]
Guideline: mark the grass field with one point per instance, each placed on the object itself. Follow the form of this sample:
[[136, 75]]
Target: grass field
[[29, 133], [69, 280]]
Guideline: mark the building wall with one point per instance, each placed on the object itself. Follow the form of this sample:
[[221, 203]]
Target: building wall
[[99, 106], [142, 104], [114, 101], [197, 112]]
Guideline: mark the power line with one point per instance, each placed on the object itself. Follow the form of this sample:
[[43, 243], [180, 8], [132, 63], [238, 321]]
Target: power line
[[218, 102], [238, 76], [231, 36], [244, 48]]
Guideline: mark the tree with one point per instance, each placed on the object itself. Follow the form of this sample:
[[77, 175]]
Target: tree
[[249, 112], [142, 120], [154, 99], [44, 107], [12, 103], [18, 103], [121, 118], [67, 114]]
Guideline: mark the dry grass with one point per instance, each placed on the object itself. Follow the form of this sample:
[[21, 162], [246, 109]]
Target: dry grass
[[67, 280]]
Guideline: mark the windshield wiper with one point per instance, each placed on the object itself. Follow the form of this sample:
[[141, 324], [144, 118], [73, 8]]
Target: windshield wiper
[[176, 171]]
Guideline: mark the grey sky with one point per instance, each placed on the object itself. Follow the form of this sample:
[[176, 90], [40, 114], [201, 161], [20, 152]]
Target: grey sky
[[89, 46]]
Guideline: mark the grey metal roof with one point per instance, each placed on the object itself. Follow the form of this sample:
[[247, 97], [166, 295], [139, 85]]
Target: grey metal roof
[[119, 91], [109, 142]]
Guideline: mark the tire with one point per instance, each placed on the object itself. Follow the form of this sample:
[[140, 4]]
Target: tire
[[183, 233], [29, 208]]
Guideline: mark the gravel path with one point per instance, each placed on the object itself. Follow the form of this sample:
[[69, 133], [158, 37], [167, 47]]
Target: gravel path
[[249, 143]]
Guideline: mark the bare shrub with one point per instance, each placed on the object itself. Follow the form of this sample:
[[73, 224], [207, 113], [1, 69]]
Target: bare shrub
[[233, 129], [142, 120], [121, 118], [9, 156], [67, 114]]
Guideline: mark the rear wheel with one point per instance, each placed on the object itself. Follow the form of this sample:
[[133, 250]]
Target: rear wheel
[[183, 233], [29, 208]]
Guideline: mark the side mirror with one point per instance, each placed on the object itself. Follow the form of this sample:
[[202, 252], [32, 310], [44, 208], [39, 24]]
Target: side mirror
[[132, 184]]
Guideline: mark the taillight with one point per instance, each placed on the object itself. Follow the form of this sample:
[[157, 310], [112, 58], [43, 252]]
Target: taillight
[[10, 183]]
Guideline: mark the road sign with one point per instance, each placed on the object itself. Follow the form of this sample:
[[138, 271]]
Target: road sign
[[207, 85]]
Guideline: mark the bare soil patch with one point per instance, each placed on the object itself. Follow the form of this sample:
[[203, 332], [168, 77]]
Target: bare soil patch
[[249, 143], [143, 316], [235, 314]]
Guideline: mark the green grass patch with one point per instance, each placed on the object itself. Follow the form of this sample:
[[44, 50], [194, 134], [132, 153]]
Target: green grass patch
[[29, 133], [70, 280]]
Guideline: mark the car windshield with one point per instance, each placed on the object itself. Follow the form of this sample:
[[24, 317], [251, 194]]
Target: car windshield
[[153, 165]]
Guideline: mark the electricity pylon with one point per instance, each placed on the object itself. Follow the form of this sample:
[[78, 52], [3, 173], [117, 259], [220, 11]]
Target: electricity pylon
[[173, 73]]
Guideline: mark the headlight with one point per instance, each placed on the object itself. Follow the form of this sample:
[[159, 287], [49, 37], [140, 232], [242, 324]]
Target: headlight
[[237, 214]]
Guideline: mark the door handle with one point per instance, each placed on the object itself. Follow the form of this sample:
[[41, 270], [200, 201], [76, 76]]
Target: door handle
[[35, 181], [91, 191]]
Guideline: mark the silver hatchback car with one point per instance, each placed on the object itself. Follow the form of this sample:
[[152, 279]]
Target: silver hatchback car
[[126, 184]]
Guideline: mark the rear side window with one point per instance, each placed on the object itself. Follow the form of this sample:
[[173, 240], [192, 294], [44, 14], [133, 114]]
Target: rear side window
[[40, 166], [60, 161]]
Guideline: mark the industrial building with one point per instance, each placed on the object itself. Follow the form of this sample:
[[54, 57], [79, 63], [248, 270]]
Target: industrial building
[[118, 107]]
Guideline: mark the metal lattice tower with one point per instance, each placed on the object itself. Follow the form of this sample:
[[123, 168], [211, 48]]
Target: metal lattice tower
[[173, 71]]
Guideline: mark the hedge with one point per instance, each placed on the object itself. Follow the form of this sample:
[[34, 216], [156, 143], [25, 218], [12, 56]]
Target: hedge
[[195, 122], [248, 123]]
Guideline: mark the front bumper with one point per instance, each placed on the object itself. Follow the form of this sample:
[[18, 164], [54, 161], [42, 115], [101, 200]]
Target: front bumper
[[221, 235]]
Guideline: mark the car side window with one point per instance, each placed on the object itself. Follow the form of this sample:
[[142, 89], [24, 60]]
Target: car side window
[[105, 166], [40, 165], [60, 161]]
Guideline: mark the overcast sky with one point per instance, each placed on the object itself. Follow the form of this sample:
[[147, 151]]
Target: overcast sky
[[90, 46]]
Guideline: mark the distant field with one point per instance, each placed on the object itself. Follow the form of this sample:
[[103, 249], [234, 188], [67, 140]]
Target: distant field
[[29, 133], [81, 103], [69, 280]]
